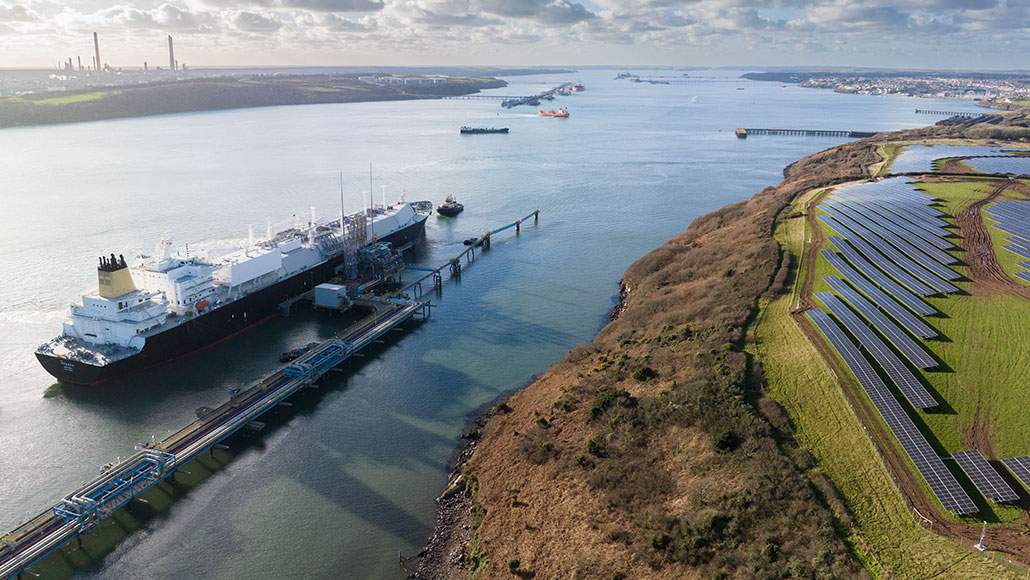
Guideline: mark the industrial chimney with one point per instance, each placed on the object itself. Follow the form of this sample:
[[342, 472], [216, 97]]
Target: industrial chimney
[[96, 47], [171, 53]]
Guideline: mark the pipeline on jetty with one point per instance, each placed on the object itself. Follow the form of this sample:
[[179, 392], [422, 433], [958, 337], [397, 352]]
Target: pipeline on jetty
[[120, 482], [742, 133]]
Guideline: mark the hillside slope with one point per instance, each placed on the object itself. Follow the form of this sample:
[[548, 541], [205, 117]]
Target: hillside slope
[[646, 453]]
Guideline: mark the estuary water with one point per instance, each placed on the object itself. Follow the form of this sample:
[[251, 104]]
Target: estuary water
[[342, 484]]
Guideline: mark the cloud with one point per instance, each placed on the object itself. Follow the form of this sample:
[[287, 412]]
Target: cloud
[[255, 22], [469, 31], [17, 13]]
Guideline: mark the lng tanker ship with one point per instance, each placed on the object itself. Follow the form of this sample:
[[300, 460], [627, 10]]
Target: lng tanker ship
[[155, 307]]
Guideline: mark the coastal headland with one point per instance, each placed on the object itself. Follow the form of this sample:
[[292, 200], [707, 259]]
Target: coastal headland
[[220, 93], [703, 434]]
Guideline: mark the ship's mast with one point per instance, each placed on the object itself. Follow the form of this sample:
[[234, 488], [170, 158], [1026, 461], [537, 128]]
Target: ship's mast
[[371, 201], [341, 204]]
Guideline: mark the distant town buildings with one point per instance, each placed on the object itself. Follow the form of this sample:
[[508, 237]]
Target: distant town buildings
[[978, 87]]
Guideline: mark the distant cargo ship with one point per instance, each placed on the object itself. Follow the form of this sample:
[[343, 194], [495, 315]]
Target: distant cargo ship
[[562, 112], [479, 130], [152, 308]]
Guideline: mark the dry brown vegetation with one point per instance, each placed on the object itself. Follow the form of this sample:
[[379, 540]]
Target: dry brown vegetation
[[652, 452]]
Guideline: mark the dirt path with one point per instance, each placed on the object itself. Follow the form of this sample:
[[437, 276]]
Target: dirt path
[[982, 264], [805, 300]]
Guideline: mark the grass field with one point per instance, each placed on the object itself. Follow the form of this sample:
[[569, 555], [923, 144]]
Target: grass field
[[76, 98], [885, 534]]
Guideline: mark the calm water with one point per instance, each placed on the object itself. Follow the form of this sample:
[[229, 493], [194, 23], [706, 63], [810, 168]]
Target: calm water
[[345, 484]]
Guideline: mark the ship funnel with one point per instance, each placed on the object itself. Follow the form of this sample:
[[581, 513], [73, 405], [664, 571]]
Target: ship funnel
[[251, 234], [113, 278]]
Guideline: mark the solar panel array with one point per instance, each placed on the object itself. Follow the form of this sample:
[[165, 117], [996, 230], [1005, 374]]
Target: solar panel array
[[941, 482], [1013, 217], [984, 477], [892, 306], [921, 158], [1020, 467], [890, 286], [895, 223], [907, 383], [872, 254], [908, 347], [1001, 165]]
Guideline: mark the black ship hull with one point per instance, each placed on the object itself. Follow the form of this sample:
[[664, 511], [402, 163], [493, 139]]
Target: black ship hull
[[213, 326]]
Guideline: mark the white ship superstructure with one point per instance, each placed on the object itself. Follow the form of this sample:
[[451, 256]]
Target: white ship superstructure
[[151, 294]]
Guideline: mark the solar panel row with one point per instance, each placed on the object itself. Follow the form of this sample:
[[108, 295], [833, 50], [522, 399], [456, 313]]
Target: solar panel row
[[984, 477], [1001, 165], [880, 279], [920, 215], [856, 241], [1020, 467], [907, 383], [894, 222], [941, 482], [914, 247], [895, 309], [921, 158], [898, 337], [900, 253]]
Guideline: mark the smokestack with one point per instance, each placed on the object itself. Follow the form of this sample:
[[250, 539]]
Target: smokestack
[[145, 69], [171, 53], [80, 63], [96, 48]]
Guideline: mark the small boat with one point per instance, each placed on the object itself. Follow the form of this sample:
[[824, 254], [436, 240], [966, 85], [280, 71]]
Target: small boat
[[480, 130], [450, 207], [561, 113], [578, 88]]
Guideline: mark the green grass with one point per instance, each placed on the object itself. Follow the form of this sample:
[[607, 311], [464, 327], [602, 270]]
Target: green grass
[[77, 98], [885, 535]]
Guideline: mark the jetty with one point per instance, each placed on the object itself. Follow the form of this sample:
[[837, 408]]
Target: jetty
[[121, 481], [743, 132], [509, 101], [962, 114]]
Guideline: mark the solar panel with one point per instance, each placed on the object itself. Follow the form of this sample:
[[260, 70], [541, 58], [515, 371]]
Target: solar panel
[[890, 286], [1020, 467], [903, 316], [984, 477], [927, 270], [921, 158], [896, 223], [1001, 165], [915, 249], [941, 482], [857, 238], [898, 338], [907, 383], [1023, 275]]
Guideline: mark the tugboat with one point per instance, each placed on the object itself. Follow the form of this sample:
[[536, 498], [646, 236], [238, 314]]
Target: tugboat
[[562, 113], [450, 207]]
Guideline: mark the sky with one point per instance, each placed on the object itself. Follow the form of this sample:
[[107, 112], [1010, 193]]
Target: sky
[[935, 34]]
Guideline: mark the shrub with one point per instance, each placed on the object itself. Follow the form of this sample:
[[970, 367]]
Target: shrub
[[660, 541], [644, 373], [514, 564]]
